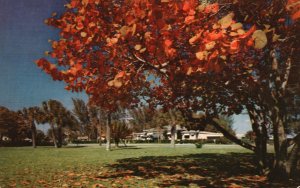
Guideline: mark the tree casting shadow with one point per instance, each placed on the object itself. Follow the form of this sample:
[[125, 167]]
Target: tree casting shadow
[[207, 170]]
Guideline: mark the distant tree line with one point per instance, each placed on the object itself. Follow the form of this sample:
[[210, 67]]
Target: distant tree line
[[21, 127]]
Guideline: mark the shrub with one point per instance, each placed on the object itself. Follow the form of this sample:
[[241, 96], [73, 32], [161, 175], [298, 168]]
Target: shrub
[[223, 140], [199, 144]]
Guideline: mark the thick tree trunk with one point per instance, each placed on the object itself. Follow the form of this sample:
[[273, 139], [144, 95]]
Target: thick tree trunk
[[33, 134], [260, 142], [159, 135], [264, 142], [279, 81], [53, 136], [100, 134], [117, 141], [1, 137], [173, 132], [279, 171], [173, 128], [293, 158], [95, 133], [108, 126], [124, 142], [60, 137]]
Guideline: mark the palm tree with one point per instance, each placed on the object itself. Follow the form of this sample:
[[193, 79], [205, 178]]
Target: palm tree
[[56, 115], [67, 121], [30, 116], [119, 128], [97, 117], [81, 111]]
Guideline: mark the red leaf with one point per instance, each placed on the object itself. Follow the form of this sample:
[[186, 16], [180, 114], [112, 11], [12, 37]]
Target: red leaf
[[212, 8], [189, 19], [168, 43], [249, 32], [186, 6], [120, 74], [296, 15], [234, 46], [215, 36], [250, 42]]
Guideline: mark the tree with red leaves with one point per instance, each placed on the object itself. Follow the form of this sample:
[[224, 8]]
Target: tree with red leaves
[[184, 55]]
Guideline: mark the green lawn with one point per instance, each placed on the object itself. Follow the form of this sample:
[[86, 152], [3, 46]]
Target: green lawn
[[135, 166]]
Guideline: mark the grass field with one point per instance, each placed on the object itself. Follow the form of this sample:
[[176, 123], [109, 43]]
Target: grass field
[[134, 166]]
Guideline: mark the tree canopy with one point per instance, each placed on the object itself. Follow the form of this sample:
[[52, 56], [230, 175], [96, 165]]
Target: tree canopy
[[191, 56]]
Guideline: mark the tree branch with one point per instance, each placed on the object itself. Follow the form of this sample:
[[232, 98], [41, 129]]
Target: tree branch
[[228, 135], [162, 71], [287, 74]]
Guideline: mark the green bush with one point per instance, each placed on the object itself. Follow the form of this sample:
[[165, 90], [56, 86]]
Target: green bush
[[199, 145], [223, 140]]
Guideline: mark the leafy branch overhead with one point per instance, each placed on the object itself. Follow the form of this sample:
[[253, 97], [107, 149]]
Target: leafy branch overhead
[[110, 49]]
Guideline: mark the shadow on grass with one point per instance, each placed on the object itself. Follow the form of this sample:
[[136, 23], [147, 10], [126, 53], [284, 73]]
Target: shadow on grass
[[207, 170], [74, 146], [127, 147]]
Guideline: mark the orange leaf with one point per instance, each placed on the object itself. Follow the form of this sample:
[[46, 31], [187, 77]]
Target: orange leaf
[[249, 32], [215, 36], [52, 67], [79, 26], [234, 46], [250, 42], [186, 6], [111, 83], [74, 70], [296, 15], [189, 19], [194, 39], [120, 74], [213, 55], [85, 2], [117, 83], [170, 52], [133, 29], [212, 8], [190, 71], [168, 43]]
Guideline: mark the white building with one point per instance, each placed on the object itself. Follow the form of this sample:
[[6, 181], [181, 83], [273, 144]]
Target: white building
[[200, 135], [149, 134], [189, 135], [154, 134]]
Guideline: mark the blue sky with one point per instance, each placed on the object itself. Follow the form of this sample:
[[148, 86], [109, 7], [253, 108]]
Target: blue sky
[[24, 39]]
